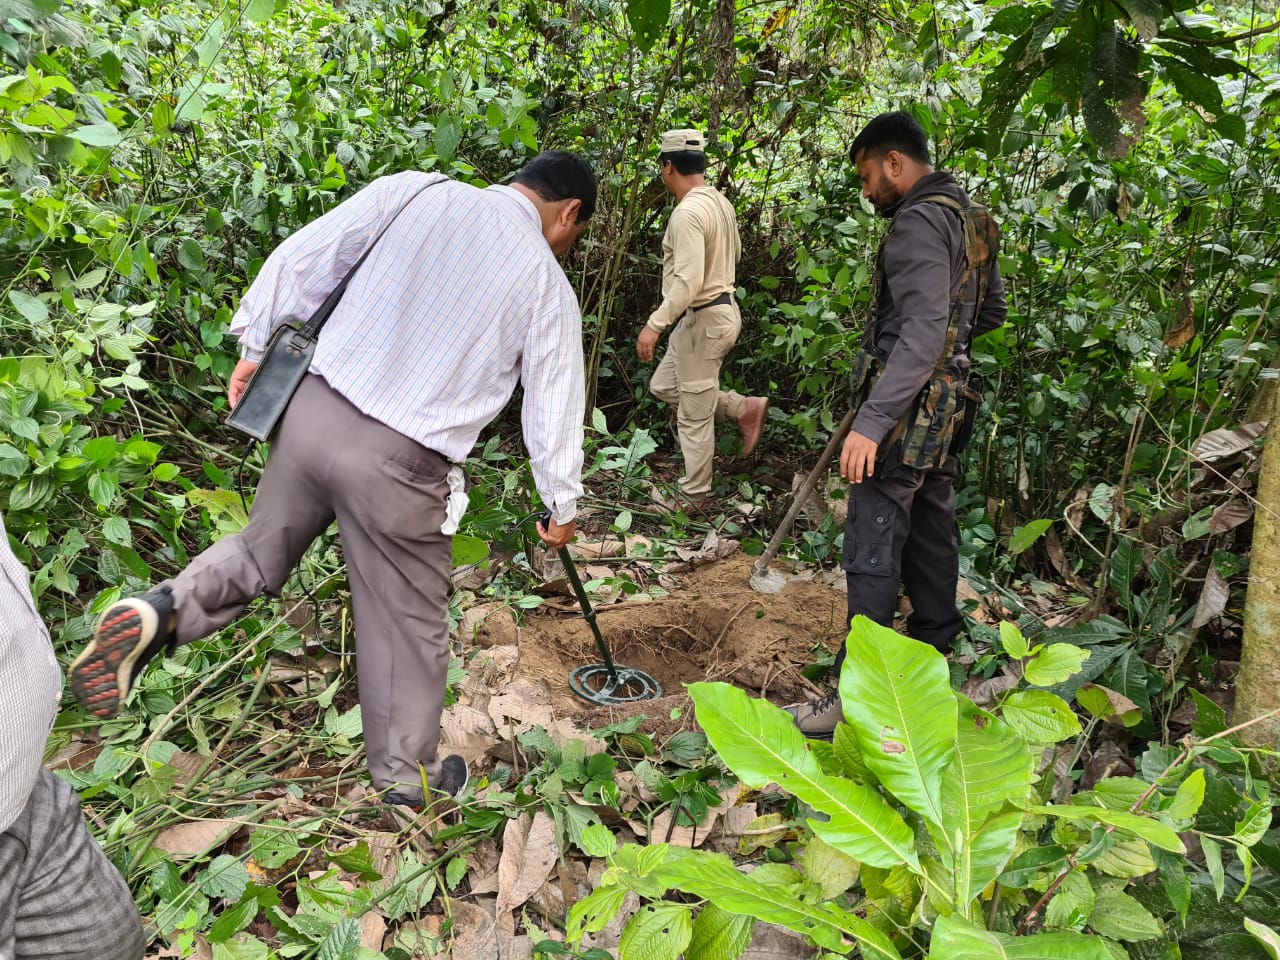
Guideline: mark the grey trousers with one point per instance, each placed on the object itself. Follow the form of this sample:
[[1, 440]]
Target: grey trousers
[[388, 494], [60, 898], [688, 378], [901, 528]]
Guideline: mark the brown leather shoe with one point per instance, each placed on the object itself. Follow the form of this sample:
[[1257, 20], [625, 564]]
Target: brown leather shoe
[[751, 423]]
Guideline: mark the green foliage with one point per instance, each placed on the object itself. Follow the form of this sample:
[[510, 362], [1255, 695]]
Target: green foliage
[[942, 813], [155, 153]]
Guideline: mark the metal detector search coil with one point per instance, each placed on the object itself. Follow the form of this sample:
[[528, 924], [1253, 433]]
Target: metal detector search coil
[[602, 683]]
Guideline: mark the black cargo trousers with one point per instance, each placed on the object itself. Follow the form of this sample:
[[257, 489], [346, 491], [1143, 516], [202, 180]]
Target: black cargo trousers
[[902, 528]]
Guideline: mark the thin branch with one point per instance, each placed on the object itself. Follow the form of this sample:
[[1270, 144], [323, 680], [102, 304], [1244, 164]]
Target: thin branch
[[1222, 41]]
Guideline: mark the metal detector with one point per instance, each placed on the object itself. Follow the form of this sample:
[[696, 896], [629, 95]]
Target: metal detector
[[604, 683]]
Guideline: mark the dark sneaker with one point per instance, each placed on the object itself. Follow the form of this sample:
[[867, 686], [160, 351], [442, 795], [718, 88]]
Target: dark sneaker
[[453, 780], [128, 634], [453, 775], [817, 719]]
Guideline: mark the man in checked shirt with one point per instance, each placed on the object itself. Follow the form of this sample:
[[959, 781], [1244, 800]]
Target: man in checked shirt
[[462, 297], [59, 894]]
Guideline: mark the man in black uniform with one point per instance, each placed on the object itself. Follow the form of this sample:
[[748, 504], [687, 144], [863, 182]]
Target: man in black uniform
[[936, 286]]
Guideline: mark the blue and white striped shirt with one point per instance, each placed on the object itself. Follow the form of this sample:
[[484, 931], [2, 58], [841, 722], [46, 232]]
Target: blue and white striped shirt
[[460, 298]]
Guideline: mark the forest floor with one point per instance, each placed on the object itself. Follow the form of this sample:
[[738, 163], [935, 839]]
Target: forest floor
[[496, 872], [714, 627]]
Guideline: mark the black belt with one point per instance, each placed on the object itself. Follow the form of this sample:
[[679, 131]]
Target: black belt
[[719, 301]]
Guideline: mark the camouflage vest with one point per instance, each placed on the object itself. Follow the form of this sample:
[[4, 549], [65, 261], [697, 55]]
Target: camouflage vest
[[928, 432]]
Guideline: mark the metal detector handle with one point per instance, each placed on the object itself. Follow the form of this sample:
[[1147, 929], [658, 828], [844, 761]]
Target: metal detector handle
[[797, 504], [583, 601]]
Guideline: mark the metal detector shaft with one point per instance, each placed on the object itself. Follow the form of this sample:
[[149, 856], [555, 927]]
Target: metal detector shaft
[[797, 504], [587, 612]]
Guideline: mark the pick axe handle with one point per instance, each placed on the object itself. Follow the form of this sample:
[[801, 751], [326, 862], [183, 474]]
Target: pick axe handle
[[806, 488]]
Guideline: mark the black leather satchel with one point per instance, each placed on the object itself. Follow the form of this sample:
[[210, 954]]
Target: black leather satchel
[[288, 354]]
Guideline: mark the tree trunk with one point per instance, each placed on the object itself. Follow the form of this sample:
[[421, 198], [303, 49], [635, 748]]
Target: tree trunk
[[726, 88], [1258, 686]]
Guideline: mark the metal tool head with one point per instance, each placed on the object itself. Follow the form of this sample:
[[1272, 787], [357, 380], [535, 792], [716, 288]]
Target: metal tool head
[[767, 580], [605, 683], [597, 684]]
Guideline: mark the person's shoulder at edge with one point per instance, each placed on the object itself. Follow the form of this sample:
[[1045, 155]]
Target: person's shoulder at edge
[[922, 217]]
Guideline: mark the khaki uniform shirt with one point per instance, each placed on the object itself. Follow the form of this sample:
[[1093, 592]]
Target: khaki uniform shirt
[[700, 253]]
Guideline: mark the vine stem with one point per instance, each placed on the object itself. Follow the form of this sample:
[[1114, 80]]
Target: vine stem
[[209, 678], [1188, 745]]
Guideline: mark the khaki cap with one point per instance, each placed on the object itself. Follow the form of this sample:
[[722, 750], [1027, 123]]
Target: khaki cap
[[677, 141]]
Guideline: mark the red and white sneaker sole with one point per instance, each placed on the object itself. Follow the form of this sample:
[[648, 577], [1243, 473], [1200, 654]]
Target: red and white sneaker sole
[[103, 673]]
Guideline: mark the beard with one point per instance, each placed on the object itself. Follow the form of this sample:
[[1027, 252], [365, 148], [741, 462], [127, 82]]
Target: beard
[[886, 200]]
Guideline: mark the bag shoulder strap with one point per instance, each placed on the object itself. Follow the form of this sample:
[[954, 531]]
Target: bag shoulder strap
[[312, 327]]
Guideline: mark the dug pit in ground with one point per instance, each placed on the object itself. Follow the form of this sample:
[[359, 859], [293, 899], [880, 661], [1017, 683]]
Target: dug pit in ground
[[716, 628]]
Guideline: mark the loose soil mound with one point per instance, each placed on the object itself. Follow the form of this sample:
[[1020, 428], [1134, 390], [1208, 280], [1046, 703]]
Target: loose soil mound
[[713, 627]]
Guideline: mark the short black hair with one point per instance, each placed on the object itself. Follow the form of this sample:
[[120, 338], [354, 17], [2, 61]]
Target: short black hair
[[560, 175], [685, 161], [892, 131]]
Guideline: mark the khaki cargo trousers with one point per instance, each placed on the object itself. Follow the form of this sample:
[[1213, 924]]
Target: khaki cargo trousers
[[688, 378], [330, 461]]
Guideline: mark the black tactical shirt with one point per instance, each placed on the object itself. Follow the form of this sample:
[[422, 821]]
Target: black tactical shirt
[[924, 261]]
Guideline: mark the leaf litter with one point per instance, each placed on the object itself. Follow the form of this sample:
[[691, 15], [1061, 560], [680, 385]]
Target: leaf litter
[[524, 879]]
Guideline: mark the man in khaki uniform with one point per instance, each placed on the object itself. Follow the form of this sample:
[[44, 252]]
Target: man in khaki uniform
[[700, 252]]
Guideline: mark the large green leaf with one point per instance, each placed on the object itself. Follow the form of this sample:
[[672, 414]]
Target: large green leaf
[[1119, 916], [30, 9], [1025, 536], [1145, 15], [1174, 880], [447, 137], [1055, 663], [594, 911], [1192, 84], [1040, 716], [984, 854], [259, 11], [992, 766], [647, 18], [1269, 939], [719, 934], [1071, 905], [1004, 89], [714, 877], [1114, 91], [1153, 831], [657, 931], [761, 744], [1190, 796], [96, 134], [1126, 564], [827, 868], [897, 696], [1130, 675], [342, 942], [1059, 12], [957, 939]]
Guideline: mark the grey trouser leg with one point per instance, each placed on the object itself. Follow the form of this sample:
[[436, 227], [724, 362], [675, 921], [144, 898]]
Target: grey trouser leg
[[60, 898], [391, 503], [689, 378], [388, 494], [290, 509], [901, 528]]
